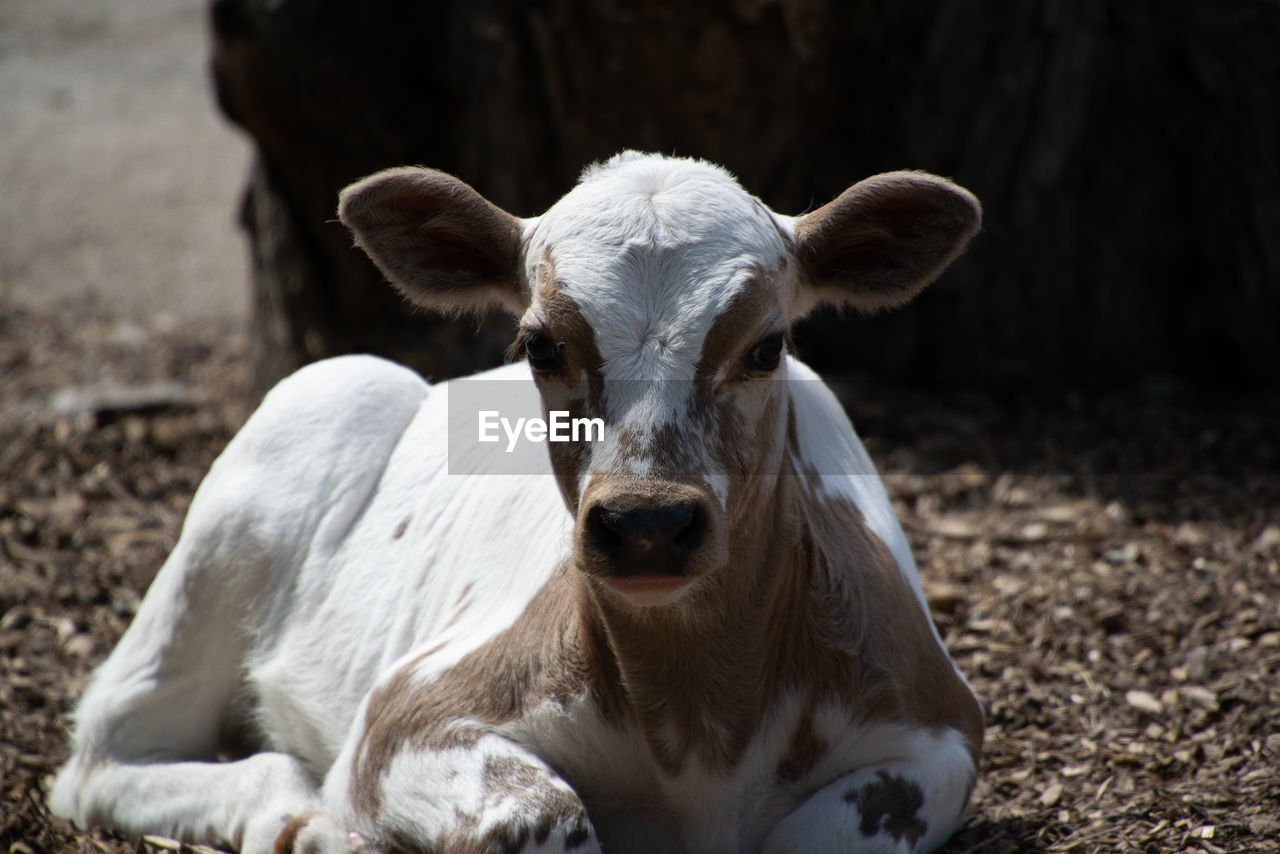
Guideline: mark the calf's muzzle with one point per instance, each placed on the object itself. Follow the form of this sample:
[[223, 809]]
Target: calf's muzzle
[[644, 529]]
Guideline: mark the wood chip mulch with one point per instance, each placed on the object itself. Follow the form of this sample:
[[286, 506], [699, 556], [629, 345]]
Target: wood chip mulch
[[1105, 569]]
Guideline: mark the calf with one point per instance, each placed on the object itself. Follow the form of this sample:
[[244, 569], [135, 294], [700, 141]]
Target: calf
[[704, 633]]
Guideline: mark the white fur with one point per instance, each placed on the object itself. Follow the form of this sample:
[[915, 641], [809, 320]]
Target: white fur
[[938, 763], [289, 593], [424, 791], [330, 546]]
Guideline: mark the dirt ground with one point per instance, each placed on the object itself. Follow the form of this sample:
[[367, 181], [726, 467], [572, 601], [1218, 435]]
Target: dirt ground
[[1106, 572]]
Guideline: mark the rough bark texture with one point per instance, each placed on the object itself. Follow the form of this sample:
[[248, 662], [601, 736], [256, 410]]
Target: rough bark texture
[[1127, 153]]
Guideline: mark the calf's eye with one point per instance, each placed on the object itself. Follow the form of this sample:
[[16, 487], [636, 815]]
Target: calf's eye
[[543, 353], [767, 354]]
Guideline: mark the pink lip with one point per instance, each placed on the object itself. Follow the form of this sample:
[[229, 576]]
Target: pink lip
[[641, 584]]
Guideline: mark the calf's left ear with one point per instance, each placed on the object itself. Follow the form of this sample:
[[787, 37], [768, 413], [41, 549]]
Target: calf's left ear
[[441, 243], [880, 242]]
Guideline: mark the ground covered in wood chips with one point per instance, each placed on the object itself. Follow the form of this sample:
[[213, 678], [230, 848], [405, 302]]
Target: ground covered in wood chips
[[1105, 569]]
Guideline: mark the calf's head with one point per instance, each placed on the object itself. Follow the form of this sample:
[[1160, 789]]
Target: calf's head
[[657, 296]]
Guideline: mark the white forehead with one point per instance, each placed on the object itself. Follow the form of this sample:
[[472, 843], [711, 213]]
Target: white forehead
[[652, 250]]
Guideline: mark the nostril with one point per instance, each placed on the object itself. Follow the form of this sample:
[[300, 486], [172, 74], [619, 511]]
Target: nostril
[[689, 536], [665, 523], [604, 528]]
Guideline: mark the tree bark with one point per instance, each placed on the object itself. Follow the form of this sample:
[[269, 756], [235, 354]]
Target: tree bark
[[1127, 155]]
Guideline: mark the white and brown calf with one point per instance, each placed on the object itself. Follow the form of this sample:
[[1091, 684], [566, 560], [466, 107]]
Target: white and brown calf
[[705, 633]]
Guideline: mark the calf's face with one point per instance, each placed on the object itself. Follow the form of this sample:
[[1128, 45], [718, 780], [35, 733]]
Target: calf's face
[[656, 296]]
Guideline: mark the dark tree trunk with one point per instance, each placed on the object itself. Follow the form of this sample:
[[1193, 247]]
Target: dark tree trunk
[[1127, 153]]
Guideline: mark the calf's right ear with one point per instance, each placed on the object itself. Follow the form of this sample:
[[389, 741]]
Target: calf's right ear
[[442, 244]]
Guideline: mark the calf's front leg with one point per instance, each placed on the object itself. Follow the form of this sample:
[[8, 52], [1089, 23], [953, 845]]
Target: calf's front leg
[[904, 807], [477, 793]]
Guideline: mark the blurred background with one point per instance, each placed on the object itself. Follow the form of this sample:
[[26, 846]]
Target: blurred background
[[1127, 153], [119, 180]]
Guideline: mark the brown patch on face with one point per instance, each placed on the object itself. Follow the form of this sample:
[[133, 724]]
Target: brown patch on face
[[747, 451], [668, 452], [890, 805], [547, 654], [561, 320], [738, 449], [401, 528], [545, 283], [738, 326], [565, 323], [567, 460]]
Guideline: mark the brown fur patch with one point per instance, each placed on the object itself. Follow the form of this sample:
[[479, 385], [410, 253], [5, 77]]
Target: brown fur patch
[[510, 779], [894, 667], [561, 320], [802, 755], [741, 450], [288, 835], [737, 328], [461, 606], [542, 656]]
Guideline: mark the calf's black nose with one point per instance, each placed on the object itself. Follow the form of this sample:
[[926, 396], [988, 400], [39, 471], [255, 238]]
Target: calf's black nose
[[652, 540]]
